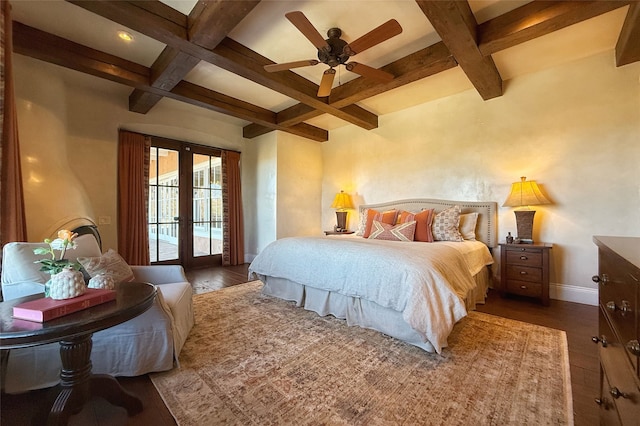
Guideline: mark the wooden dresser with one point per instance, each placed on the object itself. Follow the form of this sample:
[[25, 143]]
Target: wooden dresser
[[619, 324]]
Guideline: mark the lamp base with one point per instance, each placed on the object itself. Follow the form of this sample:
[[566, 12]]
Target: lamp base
[[524, 223], [342, 221]]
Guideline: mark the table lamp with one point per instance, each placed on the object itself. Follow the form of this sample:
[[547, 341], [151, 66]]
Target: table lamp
[[524, 194], [341, 202]]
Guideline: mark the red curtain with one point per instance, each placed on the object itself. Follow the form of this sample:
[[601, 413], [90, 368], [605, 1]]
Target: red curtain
[[133, 194], [13, 224], [233, 227]]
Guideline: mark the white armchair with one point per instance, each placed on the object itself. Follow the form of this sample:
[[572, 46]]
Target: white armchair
[[150, 342]]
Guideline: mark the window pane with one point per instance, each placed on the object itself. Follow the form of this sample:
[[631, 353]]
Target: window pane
[[163, 204], [207, 205]]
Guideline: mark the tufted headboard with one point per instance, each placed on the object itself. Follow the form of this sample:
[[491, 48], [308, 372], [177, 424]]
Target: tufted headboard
[[486, 228]]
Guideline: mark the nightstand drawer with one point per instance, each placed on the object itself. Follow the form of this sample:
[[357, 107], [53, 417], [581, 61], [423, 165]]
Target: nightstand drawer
[[524, 273], [524, 288], [526, 258]]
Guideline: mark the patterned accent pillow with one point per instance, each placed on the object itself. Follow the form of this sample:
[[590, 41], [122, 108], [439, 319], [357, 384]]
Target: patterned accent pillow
[[110, 263], [423, 224], [388, 217], [468, 225], [385, 231], [445, 225]]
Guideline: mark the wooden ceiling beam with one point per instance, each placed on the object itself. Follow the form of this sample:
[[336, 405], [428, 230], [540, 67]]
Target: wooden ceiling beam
[[628, 46], [455, 23], [536, 19], [57, 50], [416, 66], [211, 21], [229, 55], [47, 47], [208, 23], [169, 69]]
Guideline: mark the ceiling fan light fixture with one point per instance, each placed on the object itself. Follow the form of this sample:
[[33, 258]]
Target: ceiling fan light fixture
[[334, 51]]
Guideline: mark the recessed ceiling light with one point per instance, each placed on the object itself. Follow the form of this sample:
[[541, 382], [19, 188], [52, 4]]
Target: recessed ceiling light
[[125, 36]]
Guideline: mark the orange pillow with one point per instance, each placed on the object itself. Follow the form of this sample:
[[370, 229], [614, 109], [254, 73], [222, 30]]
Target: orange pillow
[[423, 221], [388, 217]]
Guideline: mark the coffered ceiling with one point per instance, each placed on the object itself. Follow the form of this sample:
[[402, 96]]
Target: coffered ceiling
[[212, 53]]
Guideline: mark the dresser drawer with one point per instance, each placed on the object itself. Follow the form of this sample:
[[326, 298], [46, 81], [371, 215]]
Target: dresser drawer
[[615, 364], [524, 288], [525, 258], [618, 296], [524, 273]]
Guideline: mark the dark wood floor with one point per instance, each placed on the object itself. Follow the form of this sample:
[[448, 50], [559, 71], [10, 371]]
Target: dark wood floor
[[579, 321]]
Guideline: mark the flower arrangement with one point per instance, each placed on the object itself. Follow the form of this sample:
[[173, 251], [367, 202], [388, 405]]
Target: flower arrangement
[[62, 243]]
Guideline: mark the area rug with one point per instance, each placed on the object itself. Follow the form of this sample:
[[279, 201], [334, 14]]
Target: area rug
[[257, 360]]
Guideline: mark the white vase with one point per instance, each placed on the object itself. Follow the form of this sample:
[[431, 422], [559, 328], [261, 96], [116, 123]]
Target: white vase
[[66, 284], [102, 281]]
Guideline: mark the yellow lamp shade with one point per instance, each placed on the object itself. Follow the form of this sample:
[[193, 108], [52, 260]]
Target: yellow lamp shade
[[342, 201], [525, 193]]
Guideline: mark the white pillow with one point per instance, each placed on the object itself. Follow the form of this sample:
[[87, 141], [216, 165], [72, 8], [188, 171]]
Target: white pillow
[[110, 263], [468, 225], [18, 264]]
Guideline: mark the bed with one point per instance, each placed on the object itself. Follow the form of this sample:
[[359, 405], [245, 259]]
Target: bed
[[411, 290]]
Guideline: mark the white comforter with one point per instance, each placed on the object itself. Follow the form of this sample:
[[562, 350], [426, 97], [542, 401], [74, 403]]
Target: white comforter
[[427, 282]]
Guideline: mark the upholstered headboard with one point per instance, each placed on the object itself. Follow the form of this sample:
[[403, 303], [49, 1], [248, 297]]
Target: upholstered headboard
[[486, 228]]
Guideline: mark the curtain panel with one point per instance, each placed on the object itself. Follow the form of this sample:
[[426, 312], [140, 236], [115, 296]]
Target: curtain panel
[[13, 224], [233, 229], [133, 193]]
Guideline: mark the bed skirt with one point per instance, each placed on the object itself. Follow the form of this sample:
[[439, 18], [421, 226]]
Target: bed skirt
[[360, 312]]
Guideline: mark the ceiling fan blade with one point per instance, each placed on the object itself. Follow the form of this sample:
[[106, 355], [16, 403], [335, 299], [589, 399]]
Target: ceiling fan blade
[[326, 83], [288, 65], [367, 71], [389, 29], [301, 22]]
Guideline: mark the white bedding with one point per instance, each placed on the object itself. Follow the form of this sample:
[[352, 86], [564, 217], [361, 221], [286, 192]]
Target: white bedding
[[426, 282]]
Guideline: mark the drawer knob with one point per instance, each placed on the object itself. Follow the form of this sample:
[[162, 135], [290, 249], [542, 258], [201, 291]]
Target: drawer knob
[[624, 308], [634, 347], [617, 393], [524, 287], [604, 280], [523, 272], [523, 257], [604, 402], [603, 339]]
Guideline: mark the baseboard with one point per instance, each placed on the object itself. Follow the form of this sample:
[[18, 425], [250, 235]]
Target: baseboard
[[572, 293]]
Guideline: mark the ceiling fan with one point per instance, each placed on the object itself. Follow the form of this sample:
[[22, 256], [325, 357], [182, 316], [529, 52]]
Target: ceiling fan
[[334, 51]]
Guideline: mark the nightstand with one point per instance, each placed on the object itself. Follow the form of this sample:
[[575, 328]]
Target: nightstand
[[338, 232], [524, 270]]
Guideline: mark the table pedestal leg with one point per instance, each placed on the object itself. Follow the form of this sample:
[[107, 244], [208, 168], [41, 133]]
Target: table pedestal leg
[[78, 384]]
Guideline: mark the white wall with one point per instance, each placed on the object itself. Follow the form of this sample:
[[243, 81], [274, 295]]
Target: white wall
[[259, 193], [299, 186], [284, 196], [575, 129]]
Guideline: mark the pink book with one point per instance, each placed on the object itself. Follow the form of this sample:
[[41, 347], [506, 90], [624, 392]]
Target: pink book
[[45, 309]]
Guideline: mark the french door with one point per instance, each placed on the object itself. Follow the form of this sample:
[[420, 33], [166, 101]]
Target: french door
[[185, 204]]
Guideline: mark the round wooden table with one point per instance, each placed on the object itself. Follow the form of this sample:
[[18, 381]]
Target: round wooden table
[[74, 331]]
